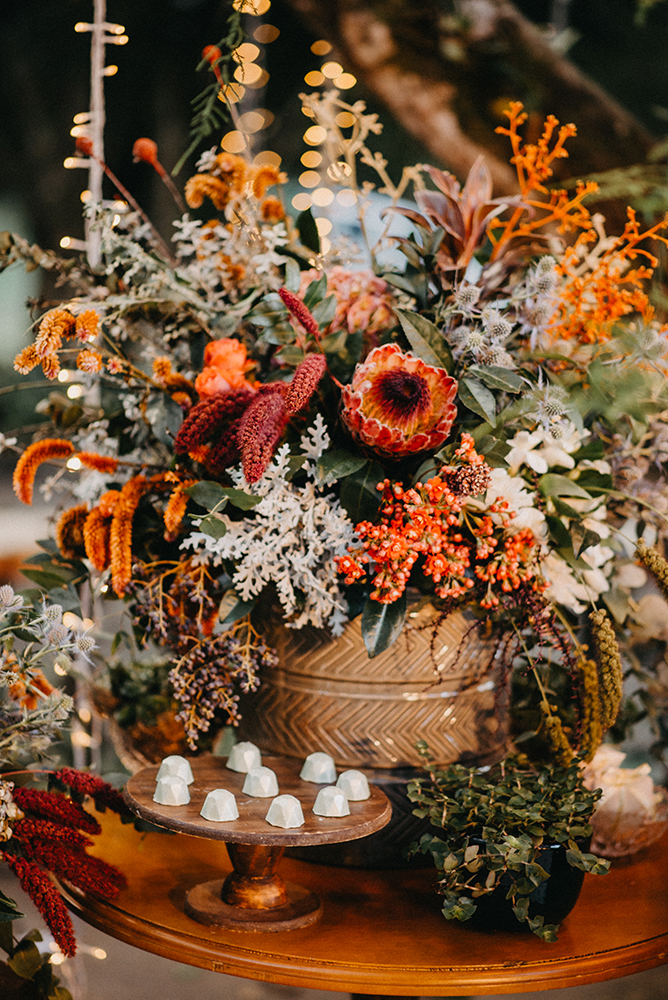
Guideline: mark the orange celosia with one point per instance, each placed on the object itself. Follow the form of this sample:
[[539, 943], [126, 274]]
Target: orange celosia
[[96, 534], [32, 458], [533, 163], [175, 509], [100, 463], [272, 210], [120, 540], [203, 186], [69, 531], [224, 367], [266, 176]]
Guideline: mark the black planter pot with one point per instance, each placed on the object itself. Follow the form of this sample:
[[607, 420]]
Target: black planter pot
[[553, 899]]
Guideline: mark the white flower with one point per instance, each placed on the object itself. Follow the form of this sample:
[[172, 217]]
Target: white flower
[[597, 556], [564, 588], [557, 451], [521, 501], [629, 798], [630, 577], [523, 452]]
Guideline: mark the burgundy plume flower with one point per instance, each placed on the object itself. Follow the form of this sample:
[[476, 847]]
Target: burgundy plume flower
[[397, 404], [260, 429], [89, 784], [296, 306], [56, 808], [305, 381], [44, 895], [90, 874], [43, 829]]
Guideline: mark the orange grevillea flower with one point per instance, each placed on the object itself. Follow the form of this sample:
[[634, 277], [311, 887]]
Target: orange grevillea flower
[[96, 535], [32, 458], [69, 531], [397, 404], [225, 365], [120, 538], [175, 509]]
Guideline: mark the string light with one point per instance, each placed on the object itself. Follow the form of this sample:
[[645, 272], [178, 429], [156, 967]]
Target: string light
[[268, 157], [254, 7], [321, 47], [315, 78], [345, 81], [324, 225], [347, 197], [331, 70], [73, 464], [322, 197], [248, 73], [233, 142], [315, 135], [246, 52], [266, 33], [110, 70], [86, 195], [311, 158], [75, 391], [63, 375], [301, 201], [231, 93], [309, 179], [345, 119]]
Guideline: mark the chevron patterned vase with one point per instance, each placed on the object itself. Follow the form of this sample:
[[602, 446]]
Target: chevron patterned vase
[[326, 694]]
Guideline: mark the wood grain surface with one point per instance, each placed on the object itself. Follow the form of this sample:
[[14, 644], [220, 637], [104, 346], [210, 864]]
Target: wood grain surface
[[380, 932], [251, 828]]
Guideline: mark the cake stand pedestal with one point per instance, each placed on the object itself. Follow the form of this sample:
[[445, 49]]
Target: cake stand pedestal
[[254, 896]]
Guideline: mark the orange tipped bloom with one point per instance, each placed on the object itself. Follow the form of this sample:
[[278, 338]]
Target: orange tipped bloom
[[32, 458], [146, 150], [224, 366], [397, 404]]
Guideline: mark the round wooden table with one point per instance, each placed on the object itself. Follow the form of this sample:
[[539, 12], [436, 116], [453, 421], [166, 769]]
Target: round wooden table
[[380, 932]]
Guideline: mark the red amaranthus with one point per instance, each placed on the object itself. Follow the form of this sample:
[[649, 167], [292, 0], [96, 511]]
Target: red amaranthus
[[464, 545]]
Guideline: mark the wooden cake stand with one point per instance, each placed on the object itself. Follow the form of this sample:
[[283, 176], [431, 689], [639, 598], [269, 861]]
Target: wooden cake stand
[[254, 896]]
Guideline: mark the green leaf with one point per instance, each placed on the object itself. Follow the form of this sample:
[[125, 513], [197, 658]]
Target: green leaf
[[43, 579], [499, 378], [582, 538], [165, 417], [400, 281], [207, 494], [8, 909], [7, 936], [241, 499], [595, 482], [426, 340], [231, 609], [308, 231], [335, 343], [213, 526], [358, 493], [292, 280], [382, 624], [478, 398], [552, 484], [558, 531], [26, 959], [338, 464], [323, 313], [291, 355], [565, 510]]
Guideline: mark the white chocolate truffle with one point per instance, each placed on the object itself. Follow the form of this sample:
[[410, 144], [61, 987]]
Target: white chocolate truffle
[[177, 766], [261, 782], [285, 811], [171, 791], [354, 785], [244, 757], [319, 768], [331, 801], [220, 806]]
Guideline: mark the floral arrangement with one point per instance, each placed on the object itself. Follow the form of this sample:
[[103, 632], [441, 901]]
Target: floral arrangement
[[482, 427]]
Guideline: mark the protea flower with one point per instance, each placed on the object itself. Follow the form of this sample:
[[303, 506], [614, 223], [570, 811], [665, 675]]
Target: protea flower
[[397, 404]]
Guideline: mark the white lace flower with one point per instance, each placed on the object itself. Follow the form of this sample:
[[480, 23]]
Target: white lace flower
[[557, 451], [523, 452], [564, 588], [522, 501]]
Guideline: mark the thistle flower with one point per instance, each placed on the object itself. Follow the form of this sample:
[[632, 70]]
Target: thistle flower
[[32, 458], [44, 895], [610, 673], [655, 563], [397, 404]]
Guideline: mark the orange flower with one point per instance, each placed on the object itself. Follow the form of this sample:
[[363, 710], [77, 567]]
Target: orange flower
[[69, 531], [203, 186], [96, 534], [87, 325], [32, 458], [224, 367], [272, 210], [176, 508], [120, 539]]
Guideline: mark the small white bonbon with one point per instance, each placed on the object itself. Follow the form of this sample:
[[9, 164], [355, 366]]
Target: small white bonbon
[[171, 791], [220, 806], [261, 783], [354, 785], [331, 801], [244, 757], [319, 768], [285, 811], [176, 766]]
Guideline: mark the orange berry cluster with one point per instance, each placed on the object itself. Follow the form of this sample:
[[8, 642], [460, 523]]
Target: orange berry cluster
[[461, 543]]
